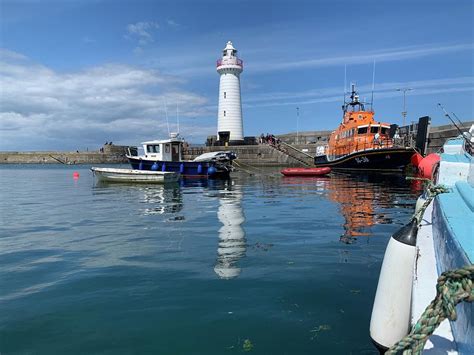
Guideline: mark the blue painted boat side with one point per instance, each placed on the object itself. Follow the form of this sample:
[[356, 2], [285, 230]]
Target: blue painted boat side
[[456, 158], [185, 168], [454, 141], [453, 236]]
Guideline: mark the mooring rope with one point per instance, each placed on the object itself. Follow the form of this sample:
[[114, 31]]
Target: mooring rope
[[453, 287], [256, 171], [432, 191]]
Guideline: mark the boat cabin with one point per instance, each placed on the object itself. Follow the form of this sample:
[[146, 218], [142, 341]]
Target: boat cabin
[[358, 130], [164, 150]]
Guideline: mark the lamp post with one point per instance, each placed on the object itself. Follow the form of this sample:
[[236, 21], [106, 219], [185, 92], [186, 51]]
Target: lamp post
[[404, 112], [297, 125]]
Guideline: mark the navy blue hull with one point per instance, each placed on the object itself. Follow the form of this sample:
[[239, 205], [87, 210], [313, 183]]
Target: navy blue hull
[[386, 159], [185, 168]]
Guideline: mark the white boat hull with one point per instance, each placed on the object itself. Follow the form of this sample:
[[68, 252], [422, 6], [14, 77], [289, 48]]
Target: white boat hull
[[136, 176]]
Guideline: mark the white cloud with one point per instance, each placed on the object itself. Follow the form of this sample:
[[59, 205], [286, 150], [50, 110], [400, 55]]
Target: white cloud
[[172, 23], [44, 109], [384, 55], [142, 31], [382, 90]]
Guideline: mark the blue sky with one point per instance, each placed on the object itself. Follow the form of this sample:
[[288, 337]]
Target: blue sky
[[77, 73]]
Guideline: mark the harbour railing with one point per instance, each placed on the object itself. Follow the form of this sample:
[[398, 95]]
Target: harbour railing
[[295, 153], [374, 145]]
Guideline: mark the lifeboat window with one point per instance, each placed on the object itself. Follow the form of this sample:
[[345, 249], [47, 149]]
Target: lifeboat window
[[362, 130], [384, 130], [374, 129], [360, 117]]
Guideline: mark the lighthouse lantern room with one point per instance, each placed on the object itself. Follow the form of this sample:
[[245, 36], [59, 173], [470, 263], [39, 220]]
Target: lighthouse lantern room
[[229, 117]]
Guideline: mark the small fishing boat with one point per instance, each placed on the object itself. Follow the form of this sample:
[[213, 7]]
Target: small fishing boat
[[306, 171], [131, 175], [438, 239], [361, 143], [167, 155]]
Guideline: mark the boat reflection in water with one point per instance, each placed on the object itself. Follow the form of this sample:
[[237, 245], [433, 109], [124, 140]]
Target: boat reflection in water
[[232, 242], [156, 199], [362, 199]]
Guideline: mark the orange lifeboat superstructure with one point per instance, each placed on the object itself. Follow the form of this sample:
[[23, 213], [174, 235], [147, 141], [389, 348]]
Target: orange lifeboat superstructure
[[362, 143]]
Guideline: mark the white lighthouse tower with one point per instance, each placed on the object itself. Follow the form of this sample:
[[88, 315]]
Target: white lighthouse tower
[[229, 116]]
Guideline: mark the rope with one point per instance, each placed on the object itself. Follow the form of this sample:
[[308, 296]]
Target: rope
[[256, 171], [452, 288], [431, 191]]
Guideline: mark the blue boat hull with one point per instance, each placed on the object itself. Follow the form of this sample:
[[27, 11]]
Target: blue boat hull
[[185, 168]]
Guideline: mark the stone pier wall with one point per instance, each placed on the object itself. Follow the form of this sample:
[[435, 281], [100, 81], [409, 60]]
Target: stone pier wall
[[61, 158], [256, 155]]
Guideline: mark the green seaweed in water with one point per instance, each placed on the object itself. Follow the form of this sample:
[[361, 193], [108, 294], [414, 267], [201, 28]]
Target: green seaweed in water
[[319, 329], [248, 346]]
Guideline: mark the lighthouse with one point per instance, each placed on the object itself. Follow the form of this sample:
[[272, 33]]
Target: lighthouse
[[229, 117]]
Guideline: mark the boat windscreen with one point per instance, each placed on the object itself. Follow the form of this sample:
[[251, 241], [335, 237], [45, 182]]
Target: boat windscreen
[[362, 130]]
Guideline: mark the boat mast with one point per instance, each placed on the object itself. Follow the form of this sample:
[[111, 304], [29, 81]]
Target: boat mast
[[373, 87]]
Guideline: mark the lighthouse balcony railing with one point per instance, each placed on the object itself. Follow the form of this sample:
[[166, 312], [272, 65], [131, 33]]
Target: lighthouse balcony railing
[[234, 61]]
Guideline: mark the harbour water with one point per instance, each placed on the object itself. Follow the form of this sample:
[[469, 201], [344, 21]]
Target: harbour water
[[258, 265]]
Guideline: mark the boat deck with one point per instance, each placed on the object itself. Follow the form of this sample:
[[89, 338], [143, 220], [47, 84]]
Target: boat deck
[[424, 290]]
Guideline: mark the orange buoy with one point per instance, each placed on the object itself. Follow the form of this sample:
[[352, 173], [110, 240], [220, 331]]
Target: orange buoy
[[416, 159], [75, 175], [427, 164]]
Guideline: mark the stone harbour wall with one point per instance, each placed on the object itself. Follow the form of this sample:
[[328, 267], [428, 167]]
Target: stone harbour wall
[[68, 158]]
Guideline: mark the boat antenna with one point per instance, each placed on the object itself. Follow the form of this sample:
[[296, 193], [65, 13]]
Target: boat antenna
[[345, 82], [373, 87], [177, 115], [455, 125], [460, 122], [166, 115]]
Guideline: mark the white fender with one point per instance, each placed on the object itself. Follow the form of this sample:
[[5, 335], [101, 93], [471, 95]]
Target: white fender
[[390, 319]]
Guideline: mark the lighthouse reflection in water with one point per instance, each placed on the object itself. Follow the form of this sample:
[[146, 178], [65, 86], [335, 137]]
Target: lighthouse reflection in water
[[232, 242]]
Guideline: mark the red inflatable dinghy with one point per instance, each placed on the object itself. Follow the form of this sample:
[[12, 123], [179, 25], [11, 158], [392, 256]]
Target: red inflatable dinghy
[[306, 171]]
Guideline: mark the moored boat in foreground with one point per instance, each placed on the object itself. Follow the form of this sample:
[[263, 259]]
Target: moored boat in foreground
[[361, 143], [440, 238], [130, 175], [167, 155]]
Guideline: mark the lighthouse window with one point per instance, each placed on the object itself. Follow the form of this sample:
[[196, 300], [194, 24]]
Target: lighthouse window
[[224, 113], [225, 94]]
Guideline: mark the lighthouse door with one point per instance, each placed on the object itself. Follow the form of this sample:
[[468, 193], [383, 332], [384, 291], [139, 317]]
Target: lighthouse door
[[224, 137]]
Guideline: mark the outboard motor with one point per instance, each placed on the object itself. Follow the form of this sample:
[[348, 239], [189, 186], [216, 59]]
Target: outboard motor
[[390, 319]]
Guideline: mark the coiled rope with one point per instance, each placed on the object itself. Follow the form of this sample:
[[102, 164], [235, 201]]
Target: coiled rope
[[453, 287]]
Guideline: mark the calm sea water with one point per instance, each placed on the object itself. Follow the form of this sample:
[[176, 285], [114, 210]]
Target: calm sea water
[[254, 265]]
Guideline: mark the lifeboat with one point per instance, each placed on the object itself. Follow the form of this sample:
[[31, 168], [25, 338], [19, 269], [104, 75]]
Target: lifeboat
[[362, 143], [306, 171]]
